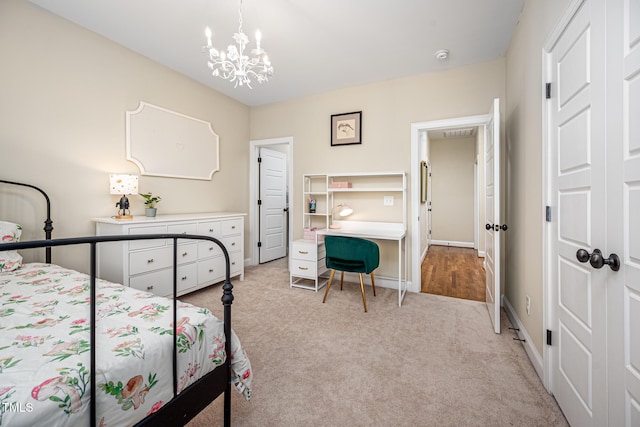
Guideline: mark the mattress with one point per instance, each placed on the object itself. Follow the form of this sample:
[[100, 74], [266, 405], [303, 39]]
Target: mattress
[[45, 349]]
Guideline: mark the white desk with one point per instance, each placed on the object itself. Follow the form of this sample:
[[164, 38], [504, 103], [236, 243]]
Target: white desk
[[377, 230]]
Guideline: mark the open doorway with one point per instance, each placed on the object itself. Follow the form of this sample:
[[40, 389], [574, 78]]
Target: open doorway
[[451, 218], [259, 221]]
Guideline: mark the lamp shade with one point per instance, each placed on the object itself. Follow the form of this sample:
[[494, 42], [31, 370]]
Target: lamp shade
[[345, 210], [123, 184]]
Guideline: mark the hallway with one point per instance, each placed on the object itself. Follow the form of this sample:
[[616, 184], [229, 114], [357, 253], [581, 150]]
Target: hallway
[[453, 271]]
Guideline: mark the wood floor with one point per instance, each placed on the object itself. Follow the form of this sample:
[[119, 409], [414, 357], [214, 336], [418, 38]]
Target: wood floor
[[454, 272]]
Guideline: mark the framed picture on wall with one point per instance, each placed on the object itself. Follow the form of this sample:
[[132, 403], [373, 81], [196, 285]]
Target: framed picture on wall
[[346, 129]]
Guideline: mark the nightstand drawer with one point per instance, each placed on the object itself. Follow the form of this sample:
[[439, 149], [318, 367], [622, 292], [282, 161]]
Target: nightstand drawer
[[153, 259]]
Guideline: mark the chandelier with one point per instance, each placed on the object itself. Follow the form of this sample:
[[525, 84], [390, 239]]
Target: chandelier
[[233, 65]]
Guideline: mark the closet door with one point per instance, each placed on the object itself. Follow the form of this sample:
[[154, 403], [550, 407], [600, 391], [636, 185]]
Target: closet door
[[577, 176], [623, 201]]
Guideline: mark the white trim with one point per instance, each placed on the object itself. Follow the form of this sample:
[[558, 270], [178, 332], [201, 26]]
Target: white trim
[[416, 128], [530, 349], [453, 243], [254, 219]]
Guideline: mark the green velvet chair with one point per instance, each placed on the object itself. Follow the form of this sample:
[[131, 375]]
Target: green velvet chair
[[354, 255]]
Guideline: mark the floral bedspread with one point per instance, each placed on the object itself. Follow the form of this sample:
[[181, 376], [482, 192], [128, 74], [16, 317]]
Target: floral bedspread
[[45, 350]]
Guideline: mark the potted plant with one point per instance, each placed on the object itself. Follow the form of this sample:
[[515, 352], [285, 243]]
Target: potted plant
[[150, 202]]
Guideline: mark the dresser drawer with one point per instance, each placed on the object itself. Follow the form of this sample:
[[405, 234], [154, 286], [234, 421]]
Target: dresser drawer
[[149, 260], [209, 228], [233, 244], [187, 253], [207, 249], [230, 227], [211, 270], [236, 263], [187, 277], [158, 282], [185, 228], [148, 229]]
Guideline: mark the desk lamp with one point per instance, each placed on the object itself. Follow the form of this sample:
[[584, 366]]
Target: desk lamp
[[342, 210], [123, 184]]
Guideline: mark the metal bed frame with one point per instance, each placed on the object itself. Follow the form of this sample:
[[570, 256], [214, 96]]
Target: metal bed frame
[[193, 399]]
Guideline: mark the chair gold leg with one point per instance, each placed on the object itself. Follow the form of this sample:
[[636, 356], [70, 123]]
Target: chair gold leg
[[326, 292], [364, 299], [341, 279], [373, 283]]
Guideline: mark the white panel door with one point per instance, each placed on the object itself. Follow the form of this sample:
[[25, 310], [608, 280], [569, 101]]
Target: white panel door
[[577, 180], [273, 196], [492, 208], [623, 201]]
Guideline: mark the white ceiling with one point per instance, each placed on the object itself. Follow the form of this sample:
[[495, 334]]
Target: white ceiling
[[314, 45]]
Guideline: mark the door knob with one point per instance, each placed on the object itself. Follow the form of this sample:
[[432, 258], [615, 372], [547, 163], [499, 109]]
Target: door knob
[[488, 226], [503, 227], [597, 260]]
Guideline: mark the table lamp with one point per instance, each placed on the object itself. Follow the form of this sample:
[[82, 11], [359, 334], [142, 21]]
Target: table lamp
[[122, 184], [341, 210]]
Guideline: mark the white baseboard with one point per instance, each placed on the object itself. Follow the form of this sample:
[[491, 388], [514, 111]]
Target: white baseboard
[[532, 352], [452, 243]]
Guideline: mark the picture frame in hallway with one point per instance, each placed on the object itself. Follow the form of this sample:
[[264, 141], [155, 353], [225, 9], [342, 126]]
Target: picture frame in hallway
[[346, 128], [424, 181]]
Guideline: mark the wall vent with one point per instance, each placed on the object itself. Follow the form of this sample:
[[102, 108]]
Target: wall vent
[[458, 133]]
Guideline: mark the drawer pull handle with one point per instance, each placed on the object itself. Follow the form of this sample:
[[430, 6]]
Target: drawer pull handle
[[211, 270], [149, 261], [149, 287], [211, 230], [233, 263], [303, 268], [303, 252], [210, 248], [233, 227], [185, 254], [233, 244], [184, 278], [184, 232]]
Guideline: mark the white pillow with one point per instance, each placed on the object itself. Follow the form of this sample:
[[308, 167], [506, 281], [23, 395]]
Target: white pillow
[[10, 233]]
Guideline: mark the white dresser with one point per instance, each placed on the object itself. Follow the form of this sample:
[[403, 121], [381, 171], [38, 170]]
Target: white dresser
[[147, 264], [307, 264]]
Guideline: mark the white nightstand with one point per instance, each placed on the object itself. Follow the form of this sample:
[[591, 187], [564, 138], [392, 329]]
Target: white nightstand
[[307, 264]]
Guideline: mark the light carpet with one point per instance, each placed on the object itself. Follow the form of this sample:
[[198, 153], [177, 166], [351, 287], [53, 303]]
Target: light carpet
[[435, 361]]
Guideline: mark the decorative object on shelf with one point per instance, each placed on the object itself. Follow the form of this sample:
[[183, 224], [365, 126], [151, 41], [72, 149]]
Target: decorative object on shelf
[[342, 210], [233, 64], [150, 202], [346, 129], [312, 205], [340, 184], [123, 185]]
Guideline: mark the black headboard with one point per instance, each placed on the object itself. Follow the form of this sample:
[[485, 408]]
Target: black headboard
[[48, 224]]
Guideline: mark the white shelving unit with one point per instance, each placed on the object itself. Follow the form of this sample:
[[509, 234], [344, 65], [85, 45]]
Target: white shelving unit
[[366, 192]]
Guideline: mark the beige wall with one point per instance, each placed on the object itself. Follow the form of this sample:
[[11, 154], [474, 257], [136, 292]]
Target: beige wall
[[452, 182], [524, 203], [65, 91], [388, 109]]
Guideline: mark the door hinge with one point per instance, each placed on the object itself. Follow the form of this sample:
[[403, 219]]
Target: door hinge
[[259, 202], [259, 244], [259, 159], [548, 336], [548, 90], [548, 213]]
